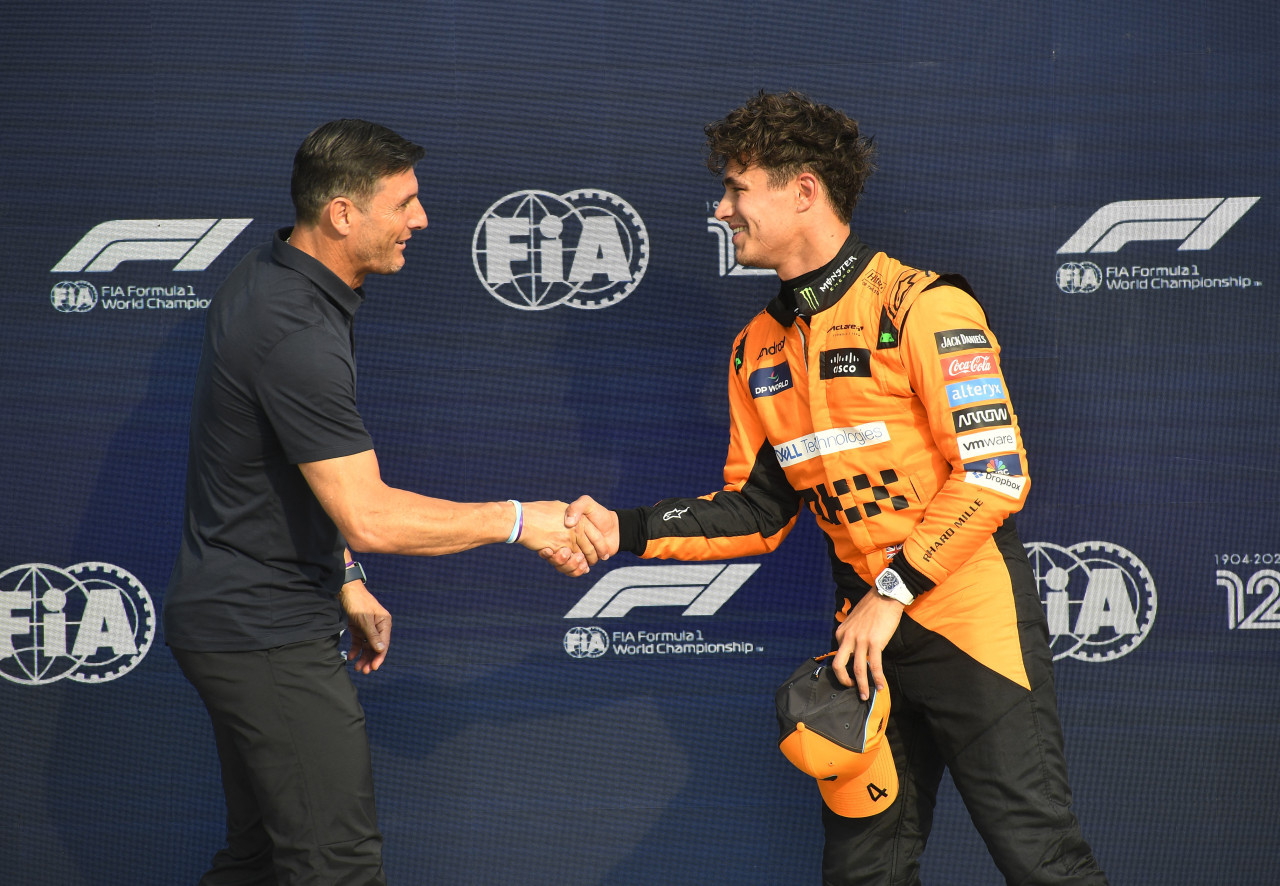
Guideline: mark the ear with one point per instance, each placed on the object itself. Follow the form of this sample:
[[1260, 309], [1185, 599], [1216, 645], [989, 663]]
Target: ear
[[808, 191], [339, 214]]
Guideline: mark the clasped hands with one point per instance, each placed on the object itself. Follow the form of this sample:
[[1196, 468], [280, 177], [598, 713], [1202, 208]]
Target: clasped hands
[[572, 538]]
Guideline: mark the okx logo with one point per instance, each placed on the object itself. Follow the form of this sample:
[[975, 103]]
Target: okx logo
[[191, 242], [534, 250], [91, 622], [1199, 224], [701, 589], [1099, 598]]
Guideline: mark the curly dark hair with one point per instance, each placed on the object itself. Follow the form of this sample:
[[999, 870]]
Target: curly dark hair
[[787, 133], [346, 157]]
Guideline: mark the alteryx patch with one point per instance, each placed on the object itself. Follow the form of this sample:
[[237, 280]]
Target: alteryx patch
[[769, 380], [975, 391]]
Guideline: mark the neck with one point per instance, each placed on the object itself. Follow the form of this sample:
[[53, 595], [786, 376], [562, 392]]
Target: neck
[[327, 250], [815, 249], [821, 287]]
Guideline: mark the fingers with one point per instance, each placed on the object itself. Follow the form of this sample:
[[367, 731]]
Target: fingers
[[370, 640], [594, 532], [575, 511], [599, 529], [370, 625], [572, 538], [379, 636], [544, 527], [854, 650], [876, 669]]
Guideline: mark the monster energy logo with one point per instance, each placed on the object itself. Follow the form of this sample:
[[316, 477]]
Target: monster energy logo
[[811, 299]]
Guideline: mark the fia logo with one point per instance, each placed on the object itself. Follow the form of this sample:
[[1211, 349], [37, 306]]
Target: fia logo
[[1099, 598], [589, 642], [91, 622], [74, 296], [534, 250]]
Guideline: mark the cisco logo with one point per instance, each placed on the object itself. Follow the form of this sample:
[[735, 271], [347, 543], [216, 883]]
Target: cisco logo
[[534, 250], [90, 622]]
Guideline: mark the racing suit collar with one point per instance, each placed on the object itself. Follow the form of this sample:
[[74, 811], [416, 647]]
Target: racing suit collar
[[819, 289]]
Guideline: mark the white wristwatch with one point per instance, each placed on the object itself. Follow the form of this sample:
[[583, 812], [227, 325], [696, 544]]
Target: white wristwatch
[[890, 584]]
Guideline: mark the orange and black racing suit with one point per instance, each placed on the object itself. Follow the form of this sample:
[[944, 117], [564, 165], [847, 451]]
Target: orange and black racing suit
[[871, 393]]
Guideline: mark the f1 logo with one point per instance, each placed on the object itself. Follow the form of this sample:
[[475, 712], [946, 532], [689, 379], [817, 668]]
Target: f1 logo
[[703, 589], [1197, 223], [193, 242]]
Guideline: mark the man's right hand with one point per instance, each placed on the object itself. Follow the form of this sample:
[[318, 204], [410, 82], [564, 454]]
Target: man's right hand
[[594, 525], [544, 530]]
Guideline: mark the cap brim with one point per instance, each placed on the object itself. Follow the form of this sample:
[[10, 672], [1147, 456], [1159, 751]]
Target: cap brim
[[869, 793]]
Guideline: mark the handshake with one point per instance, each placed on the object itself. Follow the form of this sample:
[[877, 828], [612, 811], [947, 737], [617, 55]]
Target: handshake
[[572, 538]]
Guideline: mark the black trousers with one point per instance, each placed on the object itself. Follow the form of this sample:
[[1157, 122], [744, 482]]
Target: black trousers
[[1002, 743], [296, 770]]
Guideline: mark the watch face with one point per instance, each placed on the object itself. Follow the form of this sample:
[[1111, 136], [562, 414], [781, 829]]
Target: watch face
[[888, 581]]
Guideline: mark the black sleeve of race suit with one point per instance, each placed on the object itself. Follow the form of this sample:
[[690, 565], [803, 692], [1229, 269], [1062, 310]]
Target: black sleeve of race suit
[[764, 506]]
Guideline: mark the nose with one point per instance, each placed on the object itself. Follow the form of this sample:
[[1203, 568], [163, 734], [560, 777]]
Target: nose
[[418, 217], [723, 209]]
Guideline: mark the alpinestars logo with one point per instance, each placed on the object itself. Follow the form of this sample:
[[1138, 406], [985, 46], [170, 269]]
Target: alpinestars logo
[[534, 250], [192, 242], [1199, 224], [1099, 598], [90, 622]]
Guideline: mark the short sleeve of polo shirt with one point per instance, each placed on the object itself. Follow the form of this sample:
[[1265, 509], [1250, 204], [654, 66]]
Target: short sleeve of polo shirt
[[307, 389]]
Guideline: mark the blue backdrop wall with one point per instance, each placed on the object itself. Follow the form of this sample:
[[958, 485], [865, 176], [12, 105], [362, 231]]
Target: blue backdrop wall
[[1104, 174]]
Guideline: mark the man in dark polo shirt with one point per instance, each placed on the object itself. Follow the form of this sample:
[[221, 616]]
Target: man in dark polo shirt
[[281, 479]]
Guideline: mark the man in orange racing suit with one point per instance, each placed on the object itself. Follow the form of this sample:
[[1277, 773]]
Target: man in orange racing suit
[[871, 393]]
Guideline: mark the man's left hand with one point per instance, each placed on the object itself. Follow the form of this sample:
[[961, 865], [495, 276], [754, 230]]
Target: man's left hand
[[370, 625]]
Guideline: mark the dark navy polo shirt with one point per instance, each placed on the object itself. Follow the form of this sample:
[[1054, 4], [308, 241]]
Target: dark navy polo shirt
[[261, 562]]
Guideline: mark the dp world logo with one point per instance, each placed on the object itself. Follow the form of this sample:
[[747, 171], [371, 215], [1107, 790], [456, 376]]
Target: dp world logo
[[534, 250], [74, 297], [90, 622], [1099, 598], [1079, 277]]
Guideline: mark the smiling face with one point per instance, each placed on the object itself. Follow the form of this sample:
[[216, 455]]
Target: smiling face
[[761, 216], [380, 229]]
